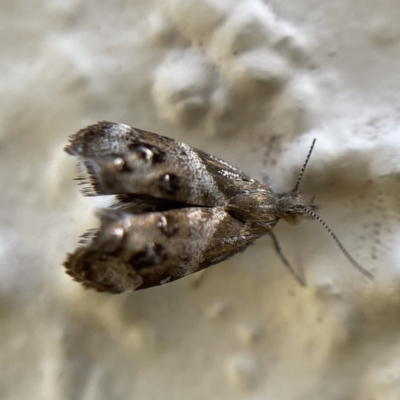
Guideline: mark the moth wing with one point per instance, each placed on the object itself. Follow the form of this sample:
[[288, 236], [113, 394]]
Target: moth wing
[[217, 166], [118, 159], [137, 204], [132, 252]]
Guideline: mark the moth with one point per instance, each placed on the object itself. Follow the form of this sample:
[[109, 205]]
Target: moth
[[179, 210]]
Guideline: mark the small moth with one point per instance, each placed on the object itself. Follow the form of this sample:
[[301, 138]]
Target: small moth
[[179, 210]]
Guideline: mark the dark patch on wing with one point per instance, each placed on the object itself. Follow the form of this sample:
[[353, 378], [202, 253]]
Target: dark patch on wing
[[137, 204], [169, 183], [147, 152], [152, 255], [168, 226]]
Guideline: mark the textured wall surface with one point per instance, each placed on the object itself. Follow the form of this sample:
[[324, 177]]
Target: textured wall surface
[[253, 83]]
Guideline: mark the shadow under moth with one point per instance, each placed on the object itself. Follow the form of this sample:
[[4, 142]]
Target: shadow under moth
[[179, 210]]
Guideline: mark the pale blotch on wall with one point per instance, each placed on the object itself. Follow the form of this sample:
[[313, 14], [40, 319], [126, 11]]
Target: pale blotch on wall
[[243, 372], [219, 309], [248, 334], [183, 86], [232, 56]]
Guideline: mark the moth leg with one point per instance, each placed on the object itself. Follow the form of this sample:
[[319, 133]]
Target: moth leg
[[199, 278], [299, 278], [266, 180]]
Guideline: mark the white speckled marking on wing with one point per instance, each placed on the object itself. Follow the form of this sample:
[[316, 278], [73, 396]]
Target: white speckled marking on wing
[[202, 175], [203, 232]]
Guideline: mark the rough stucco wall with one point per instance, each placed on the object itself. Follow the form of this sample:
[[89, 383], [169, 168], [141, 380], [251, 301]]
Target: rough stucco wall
[[225, 76]]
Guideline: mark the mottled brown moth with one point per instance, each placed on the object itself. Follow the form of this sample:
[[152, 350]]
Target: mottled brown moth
[[179, 209]]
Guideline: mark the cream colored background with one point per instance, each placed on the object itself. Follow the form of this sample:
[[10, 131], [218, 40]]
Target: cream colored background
[[226, 76]]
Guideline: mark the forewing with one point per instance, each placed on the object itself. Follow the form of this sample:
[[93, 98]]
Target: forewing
[[132, 252], [118, 159]]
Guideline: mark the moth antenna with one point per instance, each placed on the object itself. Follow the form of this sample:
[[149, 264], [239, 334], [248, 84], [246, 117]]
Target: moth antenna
[[353, 262], [304, 167]]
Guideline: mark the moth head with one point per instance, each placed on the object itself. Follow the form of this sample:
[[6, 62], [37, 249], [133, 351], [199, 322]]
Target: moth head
[[291, 207]]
